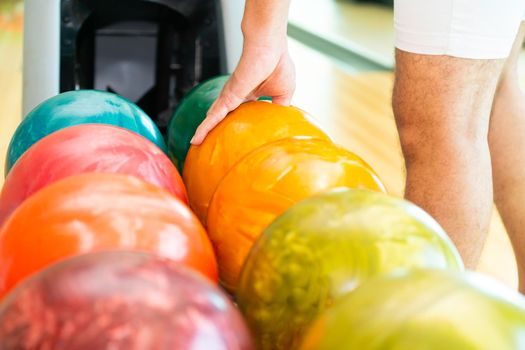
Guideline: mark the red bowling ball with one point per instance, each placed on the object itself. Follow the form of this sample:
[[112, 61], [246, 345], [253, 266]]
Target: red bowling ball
[[120, 300], [84, 149]]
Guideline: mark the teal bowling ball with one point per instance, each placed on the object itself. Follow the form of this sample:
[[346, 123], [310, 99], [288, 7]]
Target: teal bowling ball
[[430, 310], [80, 107], [188, 115]]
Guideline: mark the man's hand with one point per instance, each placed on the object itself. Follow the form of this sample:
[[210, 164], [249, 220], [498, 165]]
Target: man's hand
[[265, 67]]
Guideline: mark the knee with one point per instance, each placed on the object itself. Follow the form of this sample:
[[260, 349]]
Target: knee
[[442, 107], [439, 141]]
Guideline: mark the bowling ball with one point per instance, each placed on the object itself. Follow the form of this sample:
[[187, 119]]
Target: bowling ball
[[120, 300], [431, 310], [87, 148], [251, 125], [324, 247], [90, 212], [189, 114], [80, 107], [266, 183]]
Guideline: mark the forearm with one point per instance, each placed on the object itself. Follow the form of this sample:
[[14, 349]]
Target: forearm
[[265, 19]]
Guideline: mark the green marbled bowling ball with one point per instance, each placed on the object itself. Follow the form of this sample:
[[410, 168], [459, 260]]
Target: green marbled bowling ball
[[188, 115]]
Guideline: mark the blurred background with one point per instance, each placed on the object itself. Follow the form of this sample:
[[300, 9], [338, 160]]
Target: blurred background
[[343, 51]]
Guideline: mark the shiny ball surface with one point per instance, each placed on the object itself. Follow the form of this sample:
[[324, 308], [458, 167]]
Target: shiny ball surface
[[91, 212], [251, 125], [84, 149], [431, 310], [266, 183], [80, 107], [323, 248], [189, 114], [120, 300]]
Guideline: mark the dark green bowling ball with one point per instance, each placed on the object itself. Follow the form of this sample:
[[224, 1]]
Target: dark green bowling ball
[[188, 115], [80, 107], [428, 310]]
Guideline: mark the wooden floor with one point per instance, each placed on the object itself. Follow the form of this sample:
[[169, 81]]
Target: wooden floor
[[354, 108]]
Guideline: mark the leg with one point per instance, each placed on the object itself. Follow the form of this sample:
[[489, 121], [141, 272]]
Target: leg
[[442, 108], [507, 147]]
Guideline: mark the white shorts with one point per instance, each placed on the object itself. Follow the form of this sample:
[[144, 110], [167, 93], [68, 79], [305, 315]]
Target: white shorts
[[479, 29]]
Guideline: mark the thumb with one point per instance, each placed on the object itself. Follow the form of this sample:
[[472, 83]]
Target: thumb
[[283, 100], [237, 89], [226, 102]]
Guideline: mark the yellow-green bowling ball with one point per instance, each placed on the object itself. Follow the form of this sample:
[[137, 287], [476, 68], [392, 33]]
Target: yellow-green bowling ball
[[423, 310], [323, 248]]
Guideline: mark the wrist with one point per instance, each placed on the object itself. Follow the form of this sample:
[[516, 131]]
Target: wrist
[[259, 31], [275, 39]]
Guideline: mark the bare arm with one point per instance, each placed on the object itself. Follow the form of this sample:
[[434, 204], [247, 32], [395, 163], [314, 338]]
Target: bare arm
[[265, 17], [265, 67]]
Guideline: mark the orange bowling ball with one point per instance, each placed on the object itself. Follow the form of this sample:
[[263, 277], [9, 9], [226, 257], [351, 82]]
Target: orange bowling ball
[[266, 183], [93, 212], [251, 125]]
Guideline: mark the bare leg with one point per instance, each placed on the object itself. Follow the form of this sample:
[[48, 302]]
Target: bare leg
[[442, 107], [507, 147]]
